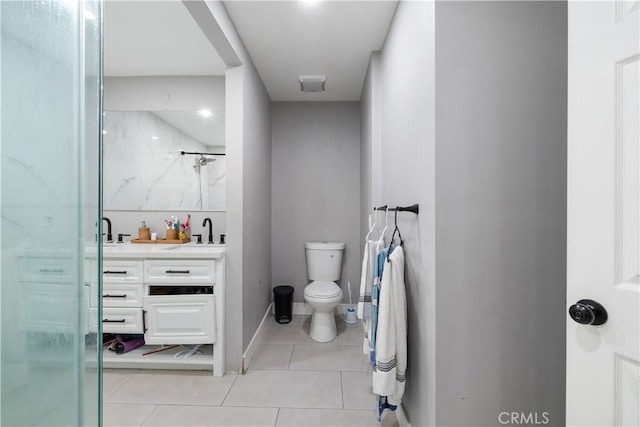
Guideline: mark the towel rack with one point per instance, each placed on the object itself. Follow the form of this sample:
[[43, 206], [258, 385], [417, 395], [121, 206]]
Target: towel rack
[[413, 208]]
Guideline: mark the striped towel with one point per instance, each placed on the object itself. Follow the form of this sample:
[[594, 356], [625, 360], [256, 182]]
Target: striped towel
[[391, 337]]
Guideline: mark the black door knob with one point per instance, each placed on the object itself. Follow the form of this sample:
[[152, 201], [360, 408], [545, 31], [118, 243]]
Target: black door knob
[[588, 312]]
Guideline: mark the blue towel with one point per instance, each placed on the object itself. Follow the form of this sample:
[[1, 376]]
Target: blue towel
[[375, 294]]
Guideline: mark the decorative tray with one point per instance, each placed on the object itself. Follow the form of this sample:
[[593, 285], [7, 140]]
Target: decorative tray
[[162, 241]]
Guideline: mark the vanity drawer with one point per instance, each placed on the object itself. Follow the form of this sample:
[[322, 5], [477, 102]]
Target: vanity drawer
[[46, 270], [121, 295], [118, 320], [122, 271], [180, 271]]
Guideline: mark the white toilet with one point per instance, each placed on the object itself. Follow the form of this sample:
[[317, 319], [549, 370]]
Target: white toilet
[[324, 266]]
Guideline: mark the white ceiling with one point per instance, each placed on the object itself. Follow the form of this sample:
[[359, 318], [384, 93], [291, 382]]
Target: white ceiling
[[333, 38], [156, 38], [285, 39]]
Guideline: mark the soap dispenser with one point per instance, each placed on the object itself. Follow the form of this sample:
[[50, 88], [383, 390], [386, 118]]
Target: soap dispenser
[[144, 233]]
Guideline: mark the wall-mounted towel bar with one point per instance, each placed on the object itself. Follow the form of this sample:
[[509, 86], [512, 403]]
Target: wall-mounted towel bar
[[413, 208]]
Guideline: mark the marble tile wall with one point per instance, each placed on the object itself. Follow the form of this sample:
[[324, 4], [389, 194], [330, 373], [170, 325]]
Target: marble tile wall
[[144, 170]]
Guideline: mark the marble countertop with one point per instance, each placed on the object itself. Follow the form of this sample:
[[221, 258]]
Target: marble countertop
[[139, 250]]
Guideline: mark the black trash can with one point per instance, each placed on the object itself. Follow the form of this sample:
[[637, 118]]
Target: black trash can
[[283, 302]]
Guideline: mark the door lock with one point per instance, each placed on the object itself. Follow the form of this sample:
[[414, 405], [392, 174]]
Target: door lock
[[588, 312]]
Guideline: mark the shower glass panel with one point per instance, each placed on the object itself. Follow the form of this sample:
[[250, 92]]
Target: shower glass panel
[[50, 74]]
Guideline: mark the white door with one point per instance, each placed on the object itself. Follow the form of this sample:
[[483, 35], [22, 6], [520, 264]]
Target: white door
[[603, 260]]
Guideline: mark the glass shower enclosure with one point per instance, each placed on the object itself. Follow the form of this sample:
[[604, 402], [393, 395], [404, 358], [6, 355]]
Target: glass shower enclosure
[[50, 228]]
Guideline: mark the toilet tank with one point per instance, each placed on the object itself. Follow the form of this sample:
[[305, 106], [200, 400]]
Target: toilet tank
[[324, 260]]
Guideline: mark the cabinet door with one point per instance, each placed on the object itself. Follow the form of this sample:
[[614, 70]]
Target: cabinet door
[[180, 319]]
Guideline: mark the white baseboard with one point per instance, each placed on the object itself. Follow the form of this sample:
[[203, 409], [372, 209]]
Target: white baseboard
[[304, 309], [403, 421], [247, 357]]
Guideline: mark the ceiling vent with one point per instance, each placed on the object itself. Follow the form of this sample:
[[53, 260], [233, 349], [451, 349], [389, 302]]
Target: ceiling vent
[[312, 83]]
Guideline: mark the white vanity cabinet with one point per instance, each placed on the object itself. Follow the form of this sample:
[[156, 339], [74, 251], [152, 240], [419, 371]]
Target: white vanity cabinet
[[171, 297], [179, 302], [122, 296]]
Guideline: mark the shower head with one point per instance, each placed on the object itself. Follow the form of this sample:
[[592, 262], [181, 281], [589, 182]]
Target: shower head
[[202, 161]]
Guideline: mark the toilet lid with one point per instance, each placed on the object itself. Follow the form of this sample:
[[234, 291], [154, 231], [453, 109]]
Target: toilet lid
[[320, 289]]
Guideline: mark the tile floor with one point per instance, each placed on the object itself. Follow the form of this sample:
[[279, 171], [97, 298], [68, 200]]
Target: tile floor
[[292, 381]]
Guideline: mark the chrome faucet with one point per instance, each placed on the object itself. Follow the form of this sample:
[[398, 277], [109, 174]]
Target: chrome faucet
[[210, 229], [109, 235]]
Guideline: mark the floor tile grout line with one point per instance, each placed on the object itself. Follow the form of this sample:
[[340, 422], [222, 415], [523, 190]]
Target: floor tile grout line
[[278, 407], [127, 379], [199, 405], [149, 416], [132, 403], [229, 391], [275, 423], [342, 388], [317, 408], [293, 349], [318, 371]]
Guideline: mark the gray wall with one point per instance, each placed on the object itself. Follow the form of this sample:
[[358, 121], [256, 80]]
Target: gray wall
[[256, 158], [488, 247], [400, 144], [501, 207], [315, 187], [248, 136], [367, 120]]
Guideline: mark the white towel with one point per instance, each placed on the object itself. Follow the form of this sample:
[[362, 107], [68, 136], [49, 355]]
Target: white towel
[[391, 337], [366, 278]]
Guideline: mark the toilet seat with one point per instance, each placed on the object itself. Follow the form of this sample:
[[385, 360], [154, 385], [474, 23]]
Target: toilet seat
[[322, 290]]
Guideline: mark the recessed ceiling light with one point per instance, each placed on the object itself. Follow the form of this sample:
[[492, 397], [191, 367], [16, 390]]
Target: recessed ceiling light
[[104, 132], [310, 3], [205, 113], [154, 138]]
